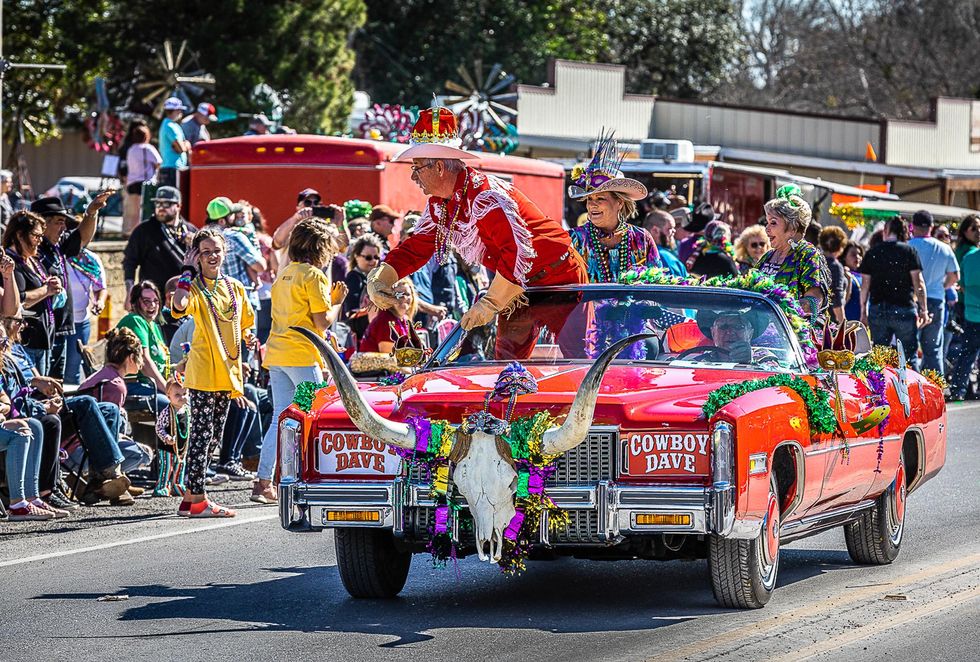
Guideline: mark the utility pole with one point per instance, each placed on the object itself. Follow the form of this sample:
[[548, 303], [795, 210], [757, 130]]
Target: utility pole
[[5, 66]]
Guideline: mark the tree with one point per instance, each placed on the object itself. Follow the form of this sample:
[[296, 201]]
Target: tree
[[677, 48], [45, 31], [407, 50]]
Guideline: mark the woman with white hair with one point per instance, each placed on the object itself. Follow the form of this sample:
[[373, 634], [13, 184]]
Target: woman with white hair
[[793, 262], [608, 243], [750, 246]]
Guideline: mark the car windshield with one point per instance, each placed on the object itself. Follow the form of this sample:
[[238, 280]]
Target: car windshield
[[689, 327]]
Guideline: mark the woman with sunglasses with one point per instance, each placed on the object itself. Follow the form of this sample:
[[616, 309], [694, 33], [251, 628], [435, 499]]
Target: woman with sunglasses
[[750, 246], [38, 289], [144, 301], [366, 253], [301, 296], [967, 237]]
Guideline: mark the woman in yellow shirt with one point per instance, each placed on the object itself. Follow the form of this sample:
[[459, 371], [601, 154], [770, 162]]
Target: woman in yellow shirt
[[213, 376], [301, 296]]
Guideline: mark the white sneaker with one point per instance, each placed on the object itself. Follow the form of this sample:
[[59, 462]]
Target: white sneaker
[[216, 479]]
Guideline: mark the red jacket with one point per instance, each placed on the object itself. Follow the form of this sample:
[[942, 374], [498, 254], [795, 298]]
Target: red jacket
[[495, 225]]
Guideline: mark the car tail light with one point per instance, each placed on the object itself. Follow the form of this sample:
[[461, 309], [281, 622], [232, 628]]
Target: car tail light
[[722, 455], [290, 447]]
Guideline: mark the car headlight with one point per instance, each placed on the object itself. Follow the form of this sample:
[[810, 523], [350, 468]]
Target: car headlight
[[290, 443], [722, 455]]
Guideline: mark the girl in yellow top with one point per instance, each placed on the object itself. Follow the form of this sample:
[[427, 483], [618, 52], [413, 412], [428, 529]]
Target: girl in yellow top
[[301, 296], [213, 376]]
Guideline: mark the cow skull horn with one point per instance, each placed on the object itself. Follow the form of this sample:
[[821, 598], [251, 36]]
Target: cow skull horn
[[365, 418], [576, 426]]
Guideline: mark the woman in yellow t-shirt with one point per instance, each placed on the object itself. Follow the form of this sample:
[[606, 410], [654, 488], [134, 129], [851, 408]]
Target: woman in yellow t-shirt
[[301, 296], [213, 376]]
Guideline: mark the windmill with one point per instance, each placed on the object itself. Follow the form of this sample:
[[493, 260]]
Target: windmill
[[168, 74], [482, 103]]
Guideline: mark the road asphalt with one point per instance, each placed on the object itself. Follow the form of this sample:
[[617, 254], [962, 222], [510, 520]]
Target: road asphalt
[[244, 589]]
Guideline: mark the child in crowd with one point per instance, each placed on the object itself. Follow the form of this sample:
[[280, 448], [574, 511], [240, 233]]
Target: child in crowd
[[173, 425], [213, 376]]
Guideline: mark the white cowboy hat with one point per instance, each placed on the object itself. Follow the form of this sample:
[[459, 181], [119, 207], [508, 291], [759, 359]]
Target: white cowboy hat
[[435, 136]]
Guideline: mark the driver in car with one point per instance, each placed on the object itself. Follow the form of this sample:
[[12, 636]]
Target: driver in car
[[731, 333]]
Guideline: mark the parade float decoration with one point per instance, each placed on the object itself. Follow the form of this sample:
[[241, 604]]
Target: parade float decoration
[[389, 123], [355, 209], [486, 121], [497, 465]]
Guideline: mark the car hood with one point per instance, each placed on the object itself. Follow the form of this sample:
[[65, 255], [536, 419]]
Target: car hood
[[630, 395]]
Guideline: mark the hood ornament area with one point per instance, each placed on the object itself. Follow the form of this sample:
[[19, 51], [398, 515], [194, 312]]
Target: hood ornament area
[[498, 465]]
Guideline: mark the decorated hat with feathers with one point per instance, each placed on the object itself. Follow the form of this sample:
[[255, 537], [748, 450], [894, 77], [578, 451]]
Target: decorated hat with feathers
[[602, 173]]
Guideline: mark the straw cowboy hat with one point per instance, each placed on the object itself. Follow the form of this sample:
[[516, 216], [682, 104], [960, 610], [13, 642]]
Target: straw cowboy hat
[[602, 174], [435, 136]]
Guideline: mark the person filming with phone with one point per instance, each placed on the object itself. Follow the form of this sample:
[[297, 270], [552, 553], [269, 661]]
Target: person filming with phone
[[309, 204]]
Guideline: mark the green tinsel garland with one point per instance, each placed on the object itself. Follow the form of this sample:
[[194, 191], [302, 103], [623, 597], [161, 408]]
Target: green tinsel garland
[[819, 412], [305, 392]]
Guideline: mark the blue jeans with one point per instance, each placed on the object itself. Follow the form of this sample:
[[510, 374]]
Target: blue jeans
[[41, 359], [964, 357], [931, 338], [887, 321], [73, 358], [282, 384], [23, 460], [98, 428]]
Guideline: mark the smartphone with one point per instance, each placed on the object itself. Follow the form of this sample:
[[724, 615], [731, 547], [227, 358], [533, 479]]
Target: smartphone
[[322, 212]]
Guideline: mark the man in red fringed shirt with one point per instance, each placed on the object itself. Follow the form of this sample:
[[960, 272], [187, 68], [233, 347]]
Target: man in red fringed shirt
[[487, 221]]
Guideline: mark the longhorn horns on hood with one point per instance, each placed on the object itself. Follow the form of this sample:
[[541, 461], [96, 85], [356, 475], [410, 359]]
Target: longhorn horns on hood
[[576, 426], [361, 413], [554, 441]]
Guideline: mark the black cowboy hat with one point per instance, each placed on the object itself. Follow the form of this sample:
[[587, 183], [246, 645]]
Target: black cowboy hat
[[52, 206], [703, 214], [706, 318]]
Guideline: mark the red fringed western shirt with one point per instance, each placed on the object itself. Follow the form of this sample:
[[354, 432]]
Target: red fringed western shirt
[[496, 225]]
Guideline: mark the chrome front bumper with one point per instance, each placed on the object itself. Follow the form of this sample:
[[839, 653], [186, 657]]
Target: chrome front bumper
[[304, 506]]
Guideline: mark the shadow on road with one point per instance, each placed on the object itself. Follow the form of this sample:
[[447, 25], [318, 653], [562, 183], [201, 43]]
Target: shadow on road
[[564, 596]]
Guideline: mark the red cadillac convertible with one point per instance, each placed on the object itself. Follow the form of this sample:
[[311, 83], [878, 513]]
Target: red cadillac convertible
[[664, 422]]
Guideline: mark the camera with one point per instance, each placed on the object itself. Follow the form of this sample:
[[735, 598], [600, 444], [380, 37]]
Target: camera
[[321, 211]]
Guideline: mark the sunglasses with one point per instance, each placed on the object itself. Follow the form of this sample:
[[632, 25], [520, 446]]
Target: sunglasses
[[149, 302], [370, 258], [731, 326], [416, 169], [162, 203], [311, 202], [757, 244]]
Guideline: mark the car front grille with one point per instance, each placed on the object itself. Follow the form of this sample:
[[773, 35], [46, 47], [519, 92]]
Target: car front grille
[[585, 465]]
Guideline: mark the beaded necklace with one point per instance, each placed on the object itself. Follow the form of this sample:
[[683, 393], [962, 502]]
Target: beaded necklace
[[444, 233], [600, 251], [236, 329], [42, 275], [176, 433]]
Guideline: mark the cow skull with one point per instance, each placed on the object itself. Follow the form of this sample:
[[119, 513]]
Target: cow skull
[[484, 470]]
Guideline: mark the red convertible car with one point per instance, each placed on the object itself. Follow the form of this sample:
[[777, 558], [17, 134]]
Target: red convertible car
[[707, 436]]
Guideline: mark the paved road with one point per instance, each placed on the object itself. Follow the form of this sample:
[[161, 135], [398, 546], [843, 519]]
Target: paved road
[[243, 589]]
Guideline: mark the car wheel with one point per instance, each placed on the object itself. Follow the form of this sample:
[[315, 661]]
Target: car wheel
[[876, 538], [743, 572], [370, 565]]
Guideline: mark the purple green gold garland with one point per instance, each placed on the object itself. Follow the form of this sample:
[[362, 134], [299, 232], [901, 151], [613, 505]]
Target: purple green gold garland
[[434, 441], [304, 394], [820, 414], [753, 281]]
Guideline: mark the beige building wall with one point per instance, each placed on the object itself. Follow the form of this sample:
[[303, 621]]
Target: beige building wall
[[68, 155], [581, 99], [770, 131], [944, 142]]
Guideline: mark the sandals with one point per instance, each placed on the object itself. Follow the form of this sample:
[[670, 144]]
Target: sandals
[[207, 509]]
